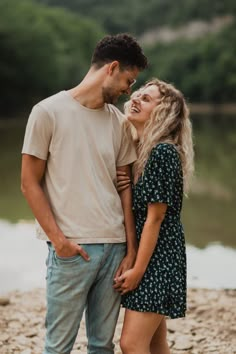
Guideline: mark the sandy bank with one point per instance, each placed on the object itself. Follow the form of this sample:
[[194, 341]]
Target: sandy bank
[[210, 325]]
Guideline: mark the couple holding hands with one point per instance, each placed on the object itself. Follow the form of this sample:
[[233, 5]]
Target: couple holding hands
[[106, 190]]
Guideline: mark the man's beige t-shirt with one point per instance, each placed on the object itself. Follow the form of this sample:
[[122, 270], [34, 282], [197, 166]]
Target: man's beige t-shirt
[[82, 147]]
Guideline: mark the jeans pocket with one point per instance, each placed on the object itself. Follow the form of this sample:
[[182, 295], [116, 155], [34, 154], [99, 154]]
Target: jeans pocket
[[49, 261], [67, 259]]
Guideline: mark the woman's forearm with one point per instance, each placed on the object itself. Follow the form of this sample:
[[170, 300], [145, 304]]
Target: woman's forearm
[[147, 245]]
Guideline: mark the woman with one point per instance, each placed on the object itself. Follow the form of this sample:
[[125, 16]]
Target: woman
[[156, 285]]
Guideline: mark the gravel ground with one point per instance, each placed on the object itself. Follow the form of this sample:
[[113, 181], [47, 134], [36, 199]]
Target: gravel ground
[[209, 327]]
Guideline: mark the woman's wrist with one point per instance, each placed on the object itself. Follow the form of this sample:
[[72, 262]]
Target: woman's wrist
[[139, 271]]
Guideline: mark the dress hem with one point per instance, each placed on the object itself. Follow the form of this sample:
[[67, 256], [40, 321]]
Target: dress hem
[[159, 312]]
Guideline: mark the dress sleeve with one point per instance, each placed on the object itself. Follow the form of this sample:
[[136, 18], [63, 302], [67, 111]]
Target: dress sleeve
[[160, 176]]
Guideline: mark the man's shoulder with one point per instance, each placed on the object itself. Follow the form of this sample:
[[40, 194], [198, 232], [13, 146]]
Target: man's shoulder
[[116, 113], [50, 103]]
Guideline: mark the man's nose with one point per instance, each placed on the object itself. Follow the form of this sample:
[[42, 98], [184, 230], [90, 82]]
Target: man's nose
[[128, 91]]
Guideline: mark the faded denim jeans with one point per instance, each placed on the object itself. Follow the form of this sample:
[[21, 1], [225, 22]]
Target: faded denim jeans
[[75, 285]]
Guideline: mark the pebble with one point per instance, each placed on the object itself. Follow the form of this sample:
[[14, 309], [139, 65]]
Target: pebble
[[26, 351], [183, 343], [4, 301], [208, 328]]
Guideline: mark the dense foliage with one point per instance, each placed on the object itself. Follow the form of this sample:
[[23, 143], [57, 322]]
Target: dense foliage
[[137, 16], [42, 50], [47, 48], [204, 69]]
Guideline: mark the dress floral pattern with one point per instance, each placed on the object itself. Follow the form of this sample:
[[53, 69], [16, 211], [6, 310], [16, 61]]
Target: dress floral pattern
[[163, 287]]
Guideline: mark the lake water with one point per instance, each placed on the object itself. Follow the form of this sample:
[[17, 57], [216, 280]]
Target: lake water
[[208, 214], [22, 261]]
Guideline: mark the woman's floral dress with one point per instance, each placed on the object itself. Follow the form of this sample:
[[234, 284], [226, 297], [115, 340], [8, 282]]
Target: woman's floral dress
[[163, 287]]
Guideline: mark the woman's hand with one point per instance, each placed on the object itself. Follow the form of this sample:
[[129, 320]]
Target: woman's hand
[[128, 281], [123, 181]]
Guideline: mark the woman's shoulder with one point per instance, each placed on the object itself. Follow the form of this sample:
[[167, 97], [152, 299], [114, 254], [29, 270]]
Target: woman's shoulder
[[166, 158], [165, 150]]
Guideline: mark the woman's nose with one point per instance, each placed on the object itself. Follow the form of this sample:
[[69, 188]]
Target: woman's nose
[[135, 99]]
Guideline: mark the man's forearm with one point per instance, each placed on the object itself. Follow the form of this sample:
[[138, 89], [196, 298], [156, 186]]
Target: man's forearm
[[33, 170], [43, 213], [41, 209], [126, 200]]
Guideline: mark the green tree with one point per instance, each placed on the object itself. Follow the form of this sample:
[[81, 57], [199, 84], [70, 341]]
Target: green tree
[[138, 16], [42, 50], [204, 69]]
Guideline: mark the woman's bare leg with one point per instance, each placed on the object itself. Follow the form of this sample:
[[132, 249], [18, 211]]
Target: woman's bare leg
[[159, 343], [138, 331]]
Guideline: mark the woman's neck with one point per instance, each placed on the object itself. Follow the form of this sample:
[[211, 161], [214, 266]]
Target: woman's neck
[[139, 132]]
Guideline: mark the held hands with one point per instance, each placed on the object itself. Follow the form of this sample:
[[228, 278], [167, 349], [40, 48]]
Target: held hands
[[70, 249], [128, 281], [127, 263], [123, 181]]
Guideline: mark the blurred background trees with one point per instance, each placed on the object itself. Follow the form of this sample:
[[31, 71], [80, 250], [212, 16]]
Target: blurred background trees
[[139, 16], [46, 45], [42, 50]]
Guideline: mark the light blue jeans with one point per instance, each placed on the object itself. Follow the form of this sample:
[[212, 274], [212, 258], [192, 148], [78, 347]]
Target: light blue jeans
[[75, 285]]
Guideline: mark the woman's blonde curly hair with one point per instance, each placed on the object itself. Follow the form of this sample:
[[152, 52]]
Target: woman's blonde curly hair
[[169, 123]]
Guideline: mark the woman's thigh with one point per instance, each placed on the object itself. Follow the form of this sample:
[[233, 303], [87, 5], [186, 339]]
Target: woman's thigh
[[138, 330]]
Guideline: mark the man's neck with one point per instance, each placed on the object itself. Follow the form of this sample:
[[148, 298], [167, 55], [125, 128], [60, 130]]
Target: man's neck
[[89, 92]]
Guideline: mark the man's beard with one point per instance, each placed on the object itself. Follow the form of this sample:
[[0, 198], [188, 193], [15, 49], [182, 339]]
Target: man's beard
[[109, 96]]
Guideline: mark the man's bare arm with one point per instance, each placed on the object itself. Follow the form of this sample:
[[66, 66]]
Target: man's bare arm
[[126, 200], [32, 173]]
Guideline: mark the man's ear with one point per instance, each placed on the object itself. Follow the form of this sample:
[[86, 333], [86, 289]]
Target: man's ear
[[114, 65]]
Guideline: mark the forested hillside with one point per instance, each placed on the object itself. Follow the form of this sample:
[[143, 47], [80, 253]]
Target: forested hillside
[[43, 50], [46, 46], [205, 69], [138, 16]]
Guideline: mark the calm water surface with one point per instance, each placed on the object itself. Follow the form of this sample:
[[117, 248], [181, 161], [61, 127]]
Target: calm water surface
[[22, 261], [208, 214]]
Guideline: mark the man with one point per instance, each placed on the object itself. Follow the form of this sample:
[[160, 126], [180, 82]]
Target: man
[[73, 144]]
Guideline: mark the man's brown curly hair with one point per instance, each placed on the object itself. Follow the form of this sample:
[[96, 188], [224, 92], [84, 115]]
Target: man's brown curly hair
[[121, 47]]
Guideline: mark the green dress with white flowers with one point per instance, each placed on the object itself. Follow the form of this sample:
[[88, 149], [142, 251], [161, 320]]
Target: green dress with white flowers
[[163, 287]]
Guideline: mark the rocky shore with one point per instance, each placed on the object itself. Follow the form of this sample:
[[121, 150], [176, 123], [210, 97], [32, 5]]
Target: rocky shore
[[209, 327]]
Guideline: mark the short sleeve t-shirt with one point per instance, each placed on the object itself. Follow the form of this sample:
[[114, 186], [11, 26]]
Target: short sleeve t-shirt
[[83, 147]]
